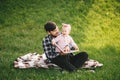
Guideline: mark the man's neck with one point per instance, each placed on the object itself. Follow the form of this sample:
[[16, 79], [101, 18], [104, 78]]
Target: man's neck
[[52, 36]]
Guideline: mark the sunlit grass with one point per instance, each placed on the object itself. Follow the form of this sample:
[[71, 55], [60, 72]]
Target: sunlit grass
[[103, 28]]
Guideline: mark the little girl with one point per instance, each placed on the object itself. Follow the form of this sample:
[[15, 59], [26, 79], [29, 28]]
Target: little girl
[[64, 41]]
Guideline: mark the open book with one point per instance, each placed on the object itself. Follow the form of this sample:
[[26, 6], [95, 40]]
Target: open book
[[71, 51]]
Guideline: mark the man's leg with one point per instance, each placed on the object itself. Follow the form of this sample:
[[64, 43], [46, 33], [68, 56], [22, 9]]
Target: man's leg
[[79, 59], [64, 63]]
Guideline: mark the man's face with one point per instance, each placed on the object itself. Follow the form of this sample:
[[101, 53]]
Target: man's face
[[55, 32]]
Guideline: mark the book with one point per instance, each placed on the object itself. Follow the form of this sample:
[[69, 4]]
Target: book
[[71, 51]]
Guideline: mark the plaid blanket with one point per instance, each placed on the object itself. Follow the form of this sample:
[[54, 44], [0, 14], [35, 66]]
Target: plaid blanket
[[35, 60]]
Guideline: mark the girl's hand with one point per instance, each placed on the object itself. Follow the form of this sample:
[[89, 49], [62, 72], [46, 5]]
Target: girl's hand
[[53, 42]]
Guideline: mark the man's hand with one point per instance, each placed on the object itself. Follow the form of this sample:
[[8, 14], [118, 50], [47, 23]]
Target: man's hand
[[65, 51], [76, 47]]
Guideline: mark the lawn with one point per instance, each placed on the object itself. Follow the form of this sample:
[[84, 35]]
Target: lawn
[[95, 28]]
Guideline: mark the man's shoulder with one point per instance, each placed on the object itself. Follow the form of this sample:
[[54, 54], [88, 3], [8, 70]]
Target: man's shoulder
[[47, 36]]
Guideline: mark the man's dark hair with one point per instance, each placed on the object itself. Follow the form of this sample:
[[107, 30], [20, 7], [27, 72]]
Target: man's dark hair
[[50, 26]]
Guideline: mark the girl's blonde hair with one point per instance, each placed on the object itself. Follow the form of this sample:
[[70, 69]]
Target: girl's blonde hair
[[68, 26]]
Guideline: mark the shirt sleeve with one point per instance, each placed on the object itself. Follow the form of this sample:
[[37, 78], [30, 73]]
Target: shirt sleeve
[[72, 43], [49, 49]]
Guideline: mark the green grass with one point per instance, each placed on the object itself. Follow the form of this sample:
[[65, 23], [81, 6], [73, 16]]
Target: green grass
[[95, 28]]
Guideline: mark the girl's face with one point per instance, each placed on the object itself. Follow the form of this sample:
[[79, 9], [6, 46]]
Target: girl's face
[[65, 31]]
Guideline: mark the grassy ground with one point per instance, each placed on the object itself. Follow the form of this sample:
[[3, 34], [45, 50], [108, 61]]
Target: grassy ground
[[95, 28]]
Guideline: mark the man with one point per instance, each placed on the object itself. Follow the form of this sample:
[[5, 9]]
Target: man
[[69, 61]]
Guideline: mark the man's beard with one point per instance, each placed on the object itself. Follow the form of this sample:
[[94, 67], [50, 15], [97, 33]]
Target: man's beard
[[56, 35]]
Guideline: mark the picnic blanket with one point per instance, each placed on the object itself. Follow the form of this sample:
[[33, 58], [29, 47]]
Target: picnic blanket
[[35, 60]]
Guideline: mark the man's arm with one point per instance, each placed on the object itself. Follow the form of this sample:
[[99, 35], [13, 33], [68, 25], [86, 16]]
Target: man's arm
[[49, 49]]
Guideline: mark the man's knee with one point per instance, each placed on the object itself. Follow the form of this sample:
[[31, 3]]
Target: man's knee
[[84, 54]]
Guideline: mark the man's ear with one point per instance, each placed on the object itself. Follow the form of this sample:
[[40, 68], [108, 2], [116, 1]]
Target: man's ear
[[63, 24]]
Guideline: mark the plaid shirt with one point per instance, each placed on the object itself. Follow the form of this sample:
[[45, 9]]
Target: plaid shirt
[[49, 49]]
